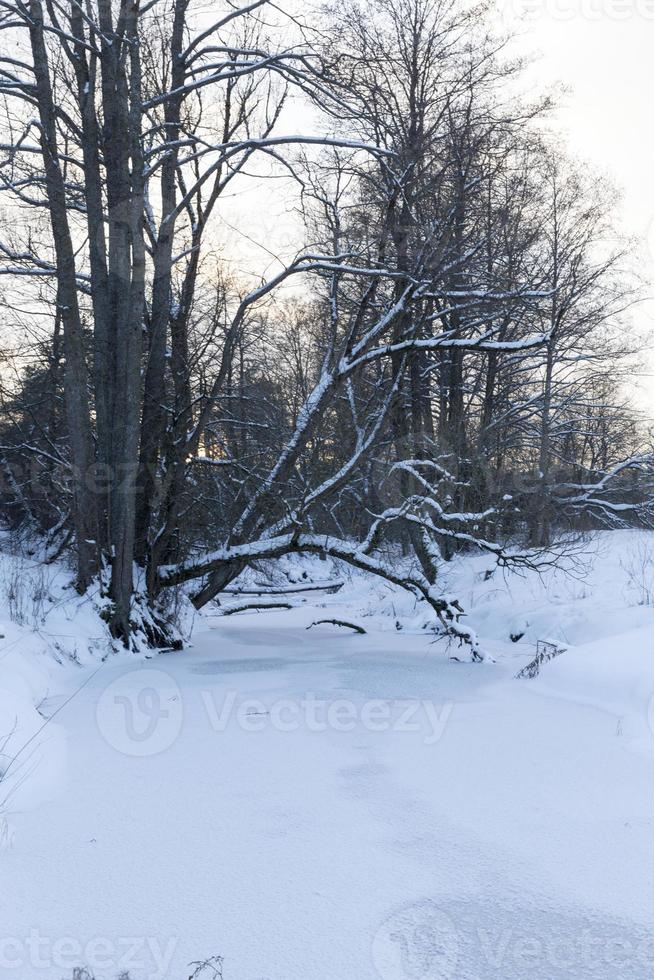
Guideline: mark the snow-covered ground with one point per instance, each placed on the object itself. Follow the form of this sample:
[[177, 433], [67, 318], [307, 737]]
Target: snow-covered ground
[[320, 805]]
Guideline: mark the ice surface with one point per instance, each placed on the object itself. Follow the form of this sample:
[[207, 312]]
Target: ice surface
[[321, 806]]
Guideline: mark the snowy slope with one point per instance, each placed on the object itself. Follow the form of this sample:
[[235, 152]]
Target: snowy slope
[[50, 641], [316, 805]]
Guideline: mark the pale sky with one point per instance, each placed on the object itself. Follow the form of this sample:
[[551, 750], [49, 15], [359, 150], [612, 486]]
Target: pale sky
[[601, 55], [602, 51]]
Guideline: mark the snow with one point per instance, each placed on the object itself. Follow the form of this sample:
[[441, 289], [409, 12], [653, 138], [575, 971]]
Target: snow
[[318, 804], [48, 635]]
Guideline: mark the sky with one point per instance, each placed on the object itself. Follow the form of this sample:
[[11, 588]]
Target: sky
[[602, 53], [598, 58]]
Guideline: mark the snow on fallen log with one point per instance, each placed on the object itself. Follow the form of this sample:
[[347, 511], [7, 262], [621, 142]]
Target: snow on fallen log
[[330, 587], [254, 607], [338, 622]]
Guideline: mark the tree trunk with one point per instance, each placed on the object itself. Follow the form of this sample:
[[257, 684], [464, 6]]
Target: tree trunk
[[75, 377]]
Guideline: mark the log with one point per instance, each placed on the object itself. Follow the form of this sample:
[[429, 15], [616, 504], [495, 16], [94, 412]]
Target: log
[[338, 622], [331, 587], [251, 606]]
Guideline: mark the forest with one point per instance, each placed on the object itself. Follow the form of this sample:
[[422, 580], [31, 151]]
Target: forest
[[438, 361], [326, 490]]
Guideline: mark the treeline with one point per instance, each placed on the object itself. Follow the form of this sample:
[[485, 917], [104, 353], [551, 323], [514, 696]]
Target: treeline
[[443, 365]]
